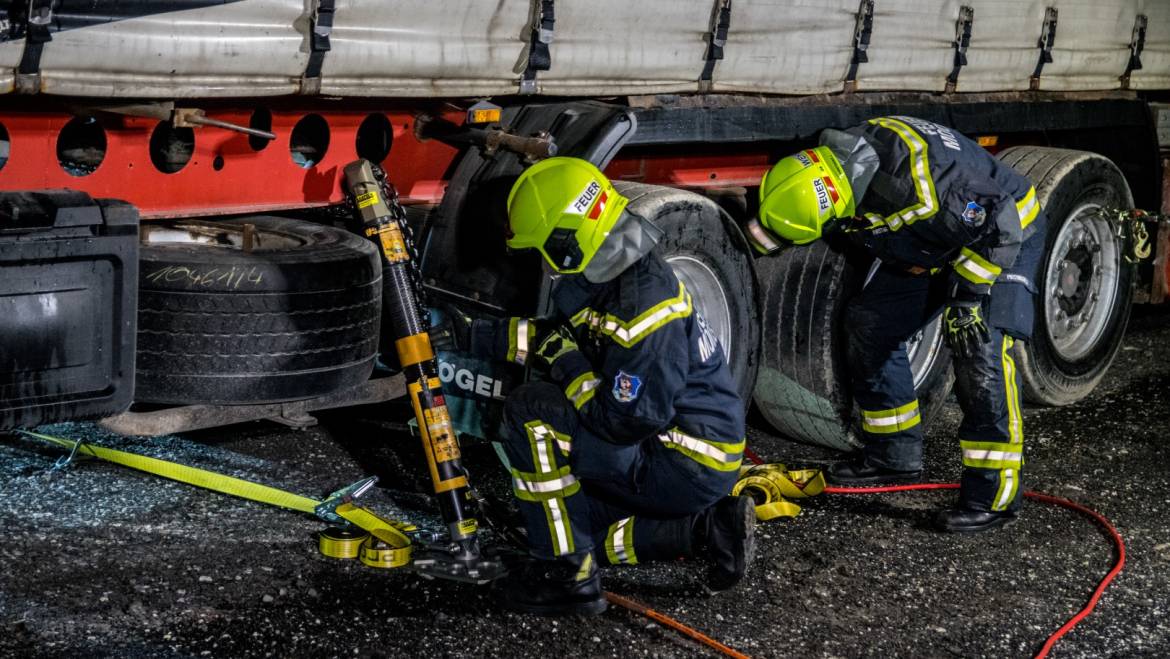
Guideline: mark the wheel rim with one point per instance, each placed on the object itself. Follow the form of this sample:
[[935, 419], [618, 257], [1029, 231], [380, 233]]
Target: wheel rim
[[707, 294], [923, 350], [226, 236], [1081, 282]]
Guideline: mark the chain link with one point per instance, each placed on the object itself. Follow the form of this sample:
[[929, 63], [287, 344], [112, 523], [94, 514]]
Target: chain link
[[390, 195]]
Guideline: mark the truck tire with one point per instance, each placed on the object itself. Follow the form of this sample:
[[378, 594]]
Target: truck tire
[[1085, 283], [706, 252], [803, 387], [296, 316]]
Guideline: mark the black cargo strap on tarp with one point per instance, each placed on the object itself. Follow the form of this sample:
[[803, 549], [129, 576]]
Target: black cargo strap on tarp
[[539, 56], [1136, 45], [716, 40], [962, 42], [320, 29], [1047, 40], [861, 37], [36, 35]]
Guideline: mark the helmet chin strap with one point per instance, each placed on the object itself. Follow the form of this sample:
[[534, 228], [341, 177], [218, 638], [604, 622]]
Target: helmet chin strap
[[630, 239], [857, 156]]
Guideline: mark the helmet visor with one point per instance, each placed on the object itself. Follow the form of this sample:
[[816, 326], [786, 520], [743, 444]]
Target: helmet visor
[[563, 251]]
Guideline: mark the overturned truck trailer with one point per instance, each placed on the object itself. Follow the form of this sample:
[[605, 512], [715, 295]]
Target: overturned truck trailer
[[226, 126]]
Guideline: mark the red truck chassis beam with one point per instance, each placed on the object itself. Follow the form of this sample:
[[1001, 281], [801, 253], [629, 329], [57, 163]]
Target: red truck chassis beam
[[225, 173]]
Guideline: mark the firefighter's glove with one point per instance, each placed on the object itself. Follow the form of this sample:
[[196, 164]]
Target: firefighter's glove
[[964, 327], [453, 332], [555, 345]]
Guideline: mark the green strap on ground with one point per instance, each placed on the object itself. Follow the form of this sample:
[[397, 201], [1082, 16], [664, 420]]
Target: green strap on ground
[[209, 480]]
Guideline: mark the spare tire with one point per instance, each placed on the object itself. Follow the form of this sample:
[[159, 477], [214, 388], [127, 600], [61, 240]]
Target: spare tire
[[708, 255], [803, 388], [294, 314], [1086, 286]]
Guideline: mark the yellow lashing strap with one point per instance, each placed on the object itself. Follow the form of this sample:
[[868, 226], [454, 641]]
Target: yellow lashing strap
[[394, 545], [771, 484], [341, 543]]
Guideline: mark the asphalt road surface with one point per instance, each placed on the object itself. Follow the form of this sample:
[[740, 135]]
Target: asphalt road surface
[[102, 561]]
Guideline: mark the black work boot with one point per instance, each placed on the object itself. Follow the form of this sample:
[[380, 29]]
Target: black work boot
[[967, 520], [858, 472], [725, 534], [569, 585]]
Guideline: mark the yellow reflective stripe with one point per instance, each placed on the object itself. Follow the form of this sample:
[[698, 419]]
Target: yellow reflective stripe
[[974, 268], [581, 389], [721, 456], [1012, 393], [628, 334], [927, 205], [558, 525], [876, 220], [512, 325], [992, 455], [619, 543], [523, 336], [884, 422], [542, 436], [544, 486], [1028, 208], [1009, 484], [585, 570]]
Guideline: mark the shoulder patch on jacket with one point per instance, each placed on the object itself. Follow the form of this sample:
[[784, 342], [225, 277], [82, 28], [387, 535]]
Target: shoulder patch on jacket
[[626, 387], [974, 214]]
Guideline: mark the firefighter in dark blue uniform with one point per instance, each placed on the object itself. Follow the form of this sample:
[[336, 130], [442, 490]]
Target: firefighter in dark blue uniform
[[946, 227], [628, 450]]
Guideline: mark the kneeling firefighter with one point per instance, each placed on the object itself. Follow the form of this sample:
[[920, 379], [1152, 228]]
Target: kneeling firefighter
[[946, 227], [627, 453]]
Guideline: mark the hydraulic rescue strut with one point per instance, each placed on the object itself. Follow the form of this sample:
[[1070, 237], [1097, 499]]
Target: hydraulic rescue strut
[[406, 319]]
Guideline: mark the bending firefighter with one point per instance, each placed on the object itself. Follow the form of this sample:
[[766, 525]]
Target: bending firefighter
[[944, 227], [626, 454]]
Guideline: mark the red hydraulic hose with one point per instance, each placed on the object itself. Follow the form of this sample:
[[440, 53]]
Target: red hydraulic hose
[[1118, 542]]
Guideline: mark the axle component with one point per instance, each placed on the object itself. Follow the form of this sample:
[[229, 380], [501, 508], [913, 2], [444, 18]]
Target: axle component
[[491, 139], [376, 205], [178, 117]]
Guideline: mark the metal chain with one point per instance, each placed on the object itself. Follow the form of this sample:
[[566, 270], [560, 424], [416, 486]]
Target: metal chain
[[1131, 229], [390, 194]]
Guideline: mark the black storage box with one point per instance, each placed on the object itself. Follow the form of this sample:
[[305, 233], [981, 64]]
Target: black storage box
[[68, 290]]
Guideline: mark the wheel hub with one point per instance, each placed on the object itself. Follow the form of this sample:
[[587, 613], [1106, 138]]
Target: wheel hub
[[1081, 284]]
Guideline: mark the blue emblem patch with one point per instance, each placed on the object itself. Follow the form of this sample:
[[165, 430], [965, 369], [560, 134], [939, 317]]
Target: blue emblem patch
[[974, 214], [626, 387]]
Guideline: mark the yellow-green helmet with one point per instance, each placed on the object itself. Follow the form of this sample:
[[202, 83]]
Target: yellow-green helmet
[[564, 207], [802, 192]]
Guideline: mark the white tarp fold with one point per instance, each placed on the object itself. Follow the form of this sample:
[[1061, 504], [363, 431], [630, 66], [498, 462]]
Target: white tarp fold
[[607, 47], [465, 48], [252, 48], [787, 46], [912, 45], [1155, 71], [10, 54], [426, 48], [1092, 45]]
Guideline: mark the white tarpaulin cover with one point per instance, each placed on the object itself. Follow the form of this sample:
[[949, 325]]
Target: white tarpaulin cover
[[10, 53], [248, 48], [1155, 71], [450, 48], [787, 47]]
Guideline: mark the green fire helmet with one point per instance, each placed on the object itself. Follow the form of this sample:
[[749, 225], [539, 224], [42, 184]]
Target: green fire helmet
[[799, 195], [564, 207]]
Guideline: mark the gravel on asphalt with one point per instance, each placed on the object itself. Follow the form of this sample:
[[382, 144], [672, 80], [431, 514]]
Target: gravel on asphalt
[[103, 561]]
